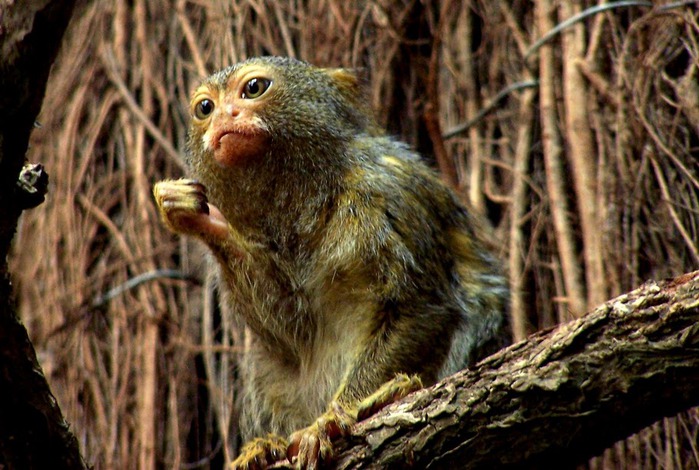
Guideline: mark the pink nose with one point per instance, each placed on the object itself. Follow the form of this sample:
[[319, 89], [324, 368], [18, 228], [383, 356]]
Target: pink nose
[[232, 111]]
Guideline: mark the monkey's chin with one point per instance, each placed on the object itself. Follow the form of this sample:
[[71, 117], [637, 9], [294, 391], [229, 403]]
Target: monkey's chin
[[238, 149]]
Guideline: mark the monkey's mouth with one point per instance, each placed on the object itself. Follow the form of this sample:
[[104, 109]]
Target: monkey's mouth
[[229, 136], [233, 147]]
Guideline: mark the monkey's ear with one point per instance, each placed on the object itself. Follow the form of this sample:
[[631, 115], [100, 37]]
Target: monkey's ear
[[352, 86], [347, 81], [343, 77]]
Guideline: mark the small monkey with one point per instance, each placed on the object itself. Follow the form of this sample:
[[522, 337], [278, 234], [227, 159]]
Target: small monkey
[[359, 274]]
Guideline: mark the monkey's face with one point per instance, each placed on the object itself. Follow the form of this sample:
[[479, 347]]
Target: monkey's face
[[275, 112], [226, 116]]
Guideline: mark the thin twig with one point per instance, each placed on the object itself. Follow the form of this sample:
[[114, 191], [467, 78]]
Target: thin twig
[[134, 282], [431, 112], [581, 16], [688, 239], [670, 6], [488, 108], [190, 38], [110, 67]]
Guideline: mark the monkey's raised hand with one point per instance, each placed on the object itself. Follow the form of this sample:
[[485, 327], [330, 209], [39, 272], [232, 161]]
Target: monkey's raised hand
[[185, 209]]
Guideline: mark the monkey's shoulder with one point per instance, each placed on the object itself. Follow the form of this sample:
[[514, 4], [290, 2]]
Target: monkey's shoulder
[[394, 215], [403, 192]]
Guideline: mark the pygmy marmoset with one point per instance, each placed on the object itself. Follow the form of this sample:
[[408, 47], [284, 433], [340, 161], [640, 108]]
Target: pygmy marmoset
[[359, 274]]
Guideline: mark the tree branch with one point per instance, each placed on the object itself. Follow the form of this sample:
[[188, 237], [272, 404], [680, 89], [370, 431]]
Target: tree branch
[[559, 397]]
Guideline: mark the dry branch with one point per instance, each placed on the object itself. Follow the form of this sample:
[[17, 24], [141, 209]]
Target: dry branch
[[581, 154], [555, 399], [517, 252], [555, 172]]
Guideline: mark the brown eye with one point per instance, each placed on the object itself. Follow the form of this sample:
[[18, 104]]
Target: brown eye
[[203, 108], [255, 88]]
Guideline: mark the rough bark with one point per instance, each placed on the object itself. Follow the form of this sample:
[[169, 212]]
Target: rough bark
[[33, 433], [555, 399]]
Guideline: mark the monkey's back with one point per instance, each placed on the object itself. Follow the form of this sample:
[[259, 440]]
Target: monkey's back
[[396, 255], [447, 260]]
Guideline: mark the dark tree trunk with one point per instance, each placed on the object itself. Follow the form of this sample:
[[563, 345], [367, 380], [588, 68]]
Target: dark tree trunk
[[555, 399], [33, 433]]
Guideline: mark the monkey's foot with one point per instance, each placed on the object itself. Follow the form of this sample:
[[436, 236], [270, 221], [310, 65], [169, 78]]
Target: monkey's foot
[[259, 453], [310, 448], [185, 209], [393, 390]]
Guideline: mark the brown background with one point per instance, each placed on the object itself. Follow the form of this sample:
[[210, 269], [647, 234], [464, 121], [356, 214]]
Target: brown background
[[587, 168]]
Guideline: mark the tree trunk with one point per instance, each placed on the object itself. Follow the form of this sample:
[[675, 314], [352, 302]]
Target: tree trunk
[[33, 433], [555, 399]]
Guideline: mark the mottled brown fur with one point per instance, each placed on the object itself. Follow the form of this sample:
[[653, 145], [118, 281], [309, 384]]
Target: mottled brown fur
[[347, 258]]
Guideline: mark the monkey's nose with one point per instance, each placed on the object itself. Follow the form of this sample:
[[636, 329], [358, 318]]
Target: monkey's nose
[[232, 110]]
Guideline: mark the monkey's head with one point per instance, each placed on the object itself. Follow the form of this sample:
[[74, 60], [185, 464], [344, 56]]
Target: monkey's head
[[275, 108]]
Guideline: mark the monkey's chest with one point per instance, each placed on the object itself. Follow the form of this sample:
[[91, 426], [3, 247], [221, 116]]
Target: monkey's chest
[[296, 390]]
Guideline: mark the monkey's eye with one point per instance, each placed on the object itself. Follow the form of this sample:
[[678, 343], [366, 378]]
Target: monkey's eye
[[203, 108], [255, 88]]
